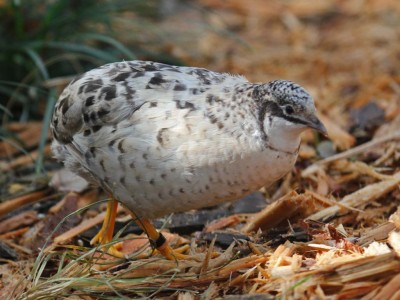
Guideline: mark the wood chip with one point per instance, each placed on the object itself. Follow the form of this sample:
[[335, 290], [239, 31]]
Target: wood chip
[[338, 135], [289, 206], [23, 219], [12, 204], [360, 198]]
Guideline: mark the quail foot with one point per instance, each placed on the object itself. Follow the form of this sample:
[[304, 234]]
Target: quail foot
[[162, 139]]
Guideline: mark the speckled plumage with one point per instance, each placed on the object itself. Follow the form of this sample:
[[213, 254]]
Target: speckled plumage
[[165, 139]]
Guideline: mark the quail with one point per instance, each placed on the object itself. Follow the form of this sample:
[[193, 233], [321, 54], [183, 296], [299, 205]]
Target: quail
[[162, 139]]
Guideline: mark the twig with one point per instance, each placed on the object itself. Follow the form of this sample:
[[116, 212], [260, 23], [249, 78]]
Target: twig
[[10, 205], [361, 148]]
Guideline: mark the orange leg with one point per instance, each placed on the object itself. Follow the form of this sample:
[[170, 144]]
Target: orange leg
[[158, 240], [105, 234]]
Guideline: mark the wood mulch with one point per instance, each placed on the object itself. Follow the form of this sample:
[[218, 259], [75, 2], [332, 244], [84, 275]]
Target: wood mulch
[[329, 230]]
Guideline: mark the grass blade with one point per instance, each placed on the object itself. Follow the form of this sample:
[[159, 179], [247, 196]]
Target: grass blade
[[111, 41], [38, 62], [51, 100]]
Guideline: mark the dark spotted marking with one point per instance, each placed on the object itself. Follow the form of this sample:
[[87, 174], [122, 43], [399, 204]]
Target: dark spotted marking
[[153, 104], [122, 76], [109, 91], [157, 79], [211, 99], [194, 91], [64, 104], [181, 190], [122, 180], [86, 132], [163, 176], [96, 128], [93, 116], [92, 150], [88, 156], [120, 146], [112, 72], [220, 125], [89, 101], [207, 187], [102, 112], [111, 143], [138, 74], [64, 139], [202, 76], [93, 85], [213, 119], [160, 135], [86, 118], [129, 91], [81, 88], [174, 70], [102, 165], [151, 181], [145, 155], [150, 67], [180, 87], [132, 165], [184, 105], [138, 178]]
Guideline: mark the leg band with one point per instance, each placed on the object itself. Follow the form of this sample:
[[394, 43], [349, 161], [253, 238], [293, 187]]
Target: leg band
[[159, 242]]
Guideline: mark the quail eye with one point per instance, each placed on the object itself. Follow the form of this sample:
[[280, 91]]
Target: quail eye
[[289, 109]]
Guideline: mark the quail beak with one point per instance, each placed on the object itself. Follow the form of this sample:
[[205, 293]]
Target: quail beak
[[315, 123]]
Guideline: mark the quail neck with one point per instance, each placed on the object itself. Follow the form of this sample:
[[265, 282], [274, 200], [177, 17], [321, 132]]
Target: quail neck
[[165, 138]]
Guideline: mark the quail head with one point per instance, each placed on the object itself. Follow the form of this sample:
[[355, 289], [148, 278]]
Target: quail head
[[165, 139]]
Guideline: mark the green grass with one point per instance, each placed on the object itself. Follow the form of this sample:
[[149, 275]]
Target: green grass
[[45, 43], [40, 40]]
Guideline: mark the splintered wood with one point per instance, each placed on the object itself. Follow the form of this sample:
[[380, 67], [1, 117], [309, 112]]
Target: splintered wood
[[360, 198], [288, 207]]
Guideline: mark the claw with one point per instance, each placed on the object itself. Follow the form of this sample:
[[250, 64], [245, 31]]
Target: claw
[[105, 234]]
